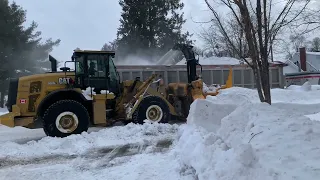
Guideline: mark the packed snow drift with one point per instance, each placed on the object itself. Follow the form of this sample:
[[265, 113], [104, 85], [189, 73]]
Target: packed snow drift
[[226, 137], [234, 136]]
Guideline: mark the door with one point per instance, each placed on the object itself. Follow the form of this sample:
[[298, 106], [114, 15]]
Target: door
[[97, 72], [91, 71]]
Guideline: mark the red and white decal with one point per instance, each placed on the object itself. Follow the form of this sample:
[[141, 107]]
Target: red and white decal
[[23, 101]]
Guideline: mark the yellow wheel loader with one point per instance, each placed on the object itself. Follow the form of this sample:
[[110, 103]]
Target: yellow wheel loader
[[69, 102]]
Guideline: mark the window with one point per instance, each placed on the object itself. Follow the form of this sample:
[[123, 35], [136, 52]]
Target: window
[[79, 66], [113, 71], [113, 75], [96, 66]]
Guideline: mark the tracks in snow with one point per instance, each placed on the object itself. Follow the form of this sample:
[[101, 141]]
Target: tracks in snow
[[104, 155]]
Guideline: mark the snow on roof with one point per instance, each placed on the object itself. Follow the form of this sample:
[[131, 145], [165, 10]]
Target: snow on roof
[[313, 53], [214, 61]]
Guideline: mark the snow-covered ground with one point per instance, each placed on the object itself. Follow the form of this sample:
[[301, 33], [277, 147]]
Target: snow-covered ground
[[227, 137], [3, 111], [129, 152]]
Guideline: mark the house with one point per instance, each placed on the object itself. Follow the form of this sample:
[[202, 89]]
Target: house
[[304, 66], [307, 61]]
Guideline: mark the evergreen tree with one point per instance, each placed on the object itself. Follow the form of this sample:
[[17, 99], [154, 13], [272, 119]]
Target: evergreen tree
[[315, 46], [21, 49], [111, 46], [150, 27]]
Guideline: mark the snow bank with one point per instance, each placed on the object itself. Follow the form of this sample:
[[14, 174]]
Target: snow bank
[[296, 94], [211, 88], [80, 144], [233, 136], [305, 87], [204, 110], [3, 111], [19, 134]]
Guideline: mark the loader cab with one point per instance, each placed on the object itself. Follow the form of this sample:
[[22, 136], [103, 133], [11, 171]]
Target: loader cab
[[96, 69]]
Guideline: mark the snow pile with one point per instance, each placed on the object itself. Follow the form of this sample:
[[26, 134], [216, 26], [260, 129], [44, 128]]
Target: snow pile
[[211, 88], [240, 95], [90, 90], [19, 134], [106, 92], [3, 111], [235, 95], [80, 144], [305, 87], [234, 136]]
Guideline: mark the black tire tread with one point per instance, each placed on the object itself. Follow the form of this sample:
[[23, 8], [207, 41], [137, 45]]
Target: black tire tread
[[55, 105]]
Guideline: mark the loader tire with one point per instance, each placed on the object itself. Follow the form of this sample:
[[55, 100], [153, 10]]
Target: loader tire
[[64, 118], [152, 108]]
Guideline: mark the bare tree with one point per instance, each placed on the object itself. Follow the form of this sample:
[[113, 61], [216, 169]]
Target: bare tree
[[217, 44], [290, 45], [260, 27], [300, 32], [308, 20]]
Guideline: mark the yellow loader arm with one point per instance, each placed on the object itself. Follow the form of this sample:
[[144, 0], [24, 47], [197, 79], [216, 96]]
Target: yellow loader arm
[[197, 88]]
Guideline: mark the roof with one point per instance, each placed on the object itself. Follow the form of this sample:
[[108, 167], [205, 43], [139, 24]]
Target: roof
[[214, 61], [313, 53], [226, 61]]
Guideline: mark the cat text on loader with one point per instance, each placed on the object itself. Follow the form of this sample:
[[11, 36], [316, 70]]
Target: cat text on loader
[[59, 103]]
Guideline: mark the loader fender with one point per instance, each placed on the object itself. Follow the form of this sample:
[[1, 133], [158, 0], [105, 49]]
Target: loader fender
[[57, 95]]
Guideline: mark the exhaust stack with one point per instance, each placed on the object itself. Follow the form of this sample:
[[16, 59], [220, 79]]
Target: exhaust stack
[[53, 63]]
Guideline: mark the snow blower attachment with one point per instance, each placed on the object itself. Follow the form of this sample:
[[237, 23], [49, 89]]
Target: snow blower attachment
[[59, 103]]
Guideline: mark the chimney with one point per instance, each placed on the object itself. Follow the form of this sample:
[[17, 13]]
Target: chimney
[[303, 59]]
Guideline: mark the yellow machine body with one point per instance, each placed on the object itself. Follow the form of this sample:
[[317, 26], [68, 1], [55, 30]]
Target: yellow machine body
[[33, 96]]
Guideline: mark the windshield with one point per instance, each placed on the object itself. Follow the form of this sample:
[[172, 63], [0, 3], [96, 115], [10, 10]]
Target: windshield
[[114, 75]]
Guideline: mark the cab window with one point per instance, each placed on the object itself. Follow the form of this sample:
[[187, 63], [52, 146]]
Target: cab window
[[79, 66], [112, 70], [96, 66]]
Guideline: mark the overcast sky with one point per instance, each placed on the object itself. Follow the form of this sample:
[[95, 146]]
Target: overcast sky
[[89, 24]]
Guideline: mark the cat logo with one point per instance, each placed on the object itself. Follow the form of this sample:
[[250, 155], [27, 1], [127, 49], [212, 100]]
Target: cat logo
[[64, 80]]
